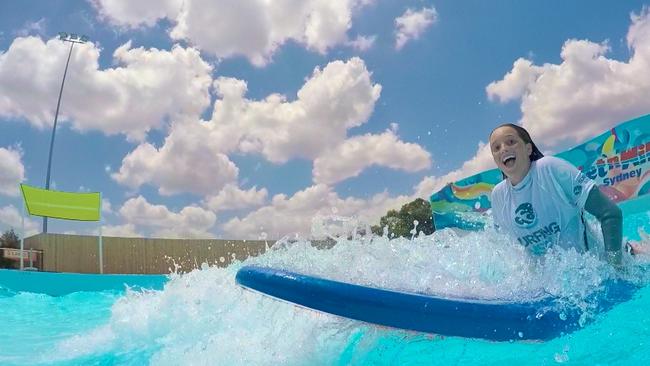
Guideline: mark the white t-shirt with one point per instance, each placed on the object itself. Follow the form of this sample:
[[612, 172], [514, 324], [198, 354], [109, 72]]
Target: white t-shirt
[[546, 207]]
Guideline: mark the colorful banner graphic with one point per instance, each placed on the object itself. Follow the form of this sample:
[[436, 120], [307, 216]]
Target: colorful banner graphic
[[617, 160]]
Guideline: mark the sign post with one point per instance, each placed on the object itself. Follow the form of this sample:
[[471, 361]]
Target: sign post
[[62, 205]]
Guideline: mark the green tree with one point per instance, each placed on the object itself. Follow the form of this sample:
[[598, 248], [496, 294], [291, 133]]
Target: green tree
[[9, 239], [402, 222]]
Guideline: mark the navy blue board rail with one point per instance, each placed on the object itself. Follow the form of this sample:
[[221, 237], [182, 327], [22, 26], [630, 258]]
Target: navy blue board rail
[[540, 319]]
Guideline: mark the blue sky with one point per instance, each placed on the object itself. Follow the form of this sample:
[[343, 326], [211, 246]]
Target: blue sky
[[240, 119]]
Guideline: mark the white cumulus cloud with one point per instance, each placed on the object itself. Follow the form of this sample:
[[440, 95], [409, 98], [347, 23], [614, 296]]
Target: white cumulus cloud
[[107, 208], [194, 157], [515, 83], [357, 153], [12, 171], [146, 87], [481, 161], [296, 214], [187, 162], [232, 197], [412, 24], [584, 94], [363, 43], [189, 222], [333, 100], [134, 14], [254, 29], [32, 28], [123, 231], [11, 217]]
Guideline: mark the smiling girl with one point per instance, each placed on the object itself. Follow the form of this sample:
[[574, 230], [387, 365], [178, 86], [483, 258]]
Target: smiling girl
[[542, 200]]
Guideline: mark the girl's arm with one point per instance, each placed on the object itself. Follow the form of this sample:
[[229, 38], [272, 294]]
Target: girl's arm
[[611, 223]]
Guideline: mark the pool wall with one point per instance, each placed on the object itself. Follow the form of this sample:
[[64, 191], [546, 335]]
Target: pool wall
[[57, 284]]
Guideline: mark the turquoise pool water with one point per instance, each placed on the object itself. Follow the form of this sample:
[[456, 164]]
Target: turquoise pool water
[[203, 318]]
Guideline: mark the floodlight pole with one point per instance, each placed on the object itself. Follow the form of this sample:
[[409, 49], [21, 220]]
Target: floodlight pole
[[72, 38]]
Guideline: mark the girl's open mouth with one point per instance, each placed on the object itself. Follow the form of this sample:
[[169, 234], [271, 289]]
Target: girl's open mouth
[[509, 160]]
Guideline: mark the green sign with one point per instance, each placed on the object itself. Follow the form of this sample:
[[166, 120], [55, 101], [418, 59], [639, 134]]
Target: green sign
[[62, 205]]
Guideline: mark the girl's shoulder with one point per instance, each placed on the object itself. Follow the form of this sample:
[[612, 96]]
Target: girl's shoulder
[[499, 190], [553, 165], [549, 161]]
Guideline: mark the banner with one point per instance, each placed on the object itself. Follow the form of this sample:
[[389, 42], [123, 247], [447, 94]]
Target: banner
[[618, 161], [62, 205]]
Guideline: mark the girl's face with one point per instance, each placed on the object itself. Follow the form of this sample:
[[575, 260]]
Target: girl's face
[[511, 153]]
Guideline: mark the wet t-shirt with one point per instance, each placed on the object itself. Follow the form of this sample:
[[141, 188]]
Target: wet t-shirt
[[546, 207]]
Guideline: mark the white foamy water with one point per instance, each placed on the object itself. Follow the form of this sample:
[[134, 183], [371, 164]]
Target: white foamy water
[[203, 317]]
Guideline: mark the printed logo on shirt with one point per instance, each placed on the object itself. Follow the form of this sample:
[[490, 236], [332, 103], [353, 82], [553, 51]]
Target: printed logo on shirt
[[540, 239], [577, 190], [581, 178], [525, 216]]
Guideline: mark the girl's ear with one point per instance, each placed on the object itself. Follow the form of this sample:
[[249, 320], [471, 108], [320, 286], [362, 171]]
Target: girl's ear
[[529, 149]]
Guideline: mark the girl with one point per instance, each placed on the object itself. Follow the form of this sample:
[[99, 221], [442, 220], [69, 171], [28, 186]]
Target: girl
[[541, 200]]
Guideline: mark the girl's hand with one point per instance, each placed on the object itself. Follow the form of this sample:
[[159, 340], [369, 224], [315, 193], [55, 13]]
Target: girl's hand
[[635, 248]]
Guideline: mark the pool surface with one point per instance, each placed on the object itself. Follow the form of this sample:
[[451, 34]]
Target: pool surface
[[204, 318]]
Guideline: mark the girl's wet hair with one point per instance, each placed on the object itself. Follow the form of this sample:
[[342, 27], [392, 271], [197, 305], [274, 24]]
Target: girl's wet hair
[[536, 154]]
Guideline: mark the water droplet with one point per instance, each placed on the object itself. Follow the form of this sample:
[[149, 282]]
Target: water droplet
[[561, 357]]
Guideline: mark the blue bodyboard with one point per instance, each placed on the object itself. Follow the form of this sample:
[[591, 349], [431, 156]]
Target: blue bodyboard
[[539, 319]]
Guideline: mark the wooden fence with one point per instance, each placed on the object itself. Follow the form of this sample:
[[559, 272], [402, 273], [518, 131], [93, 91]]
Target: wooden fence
[[77, 253]]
